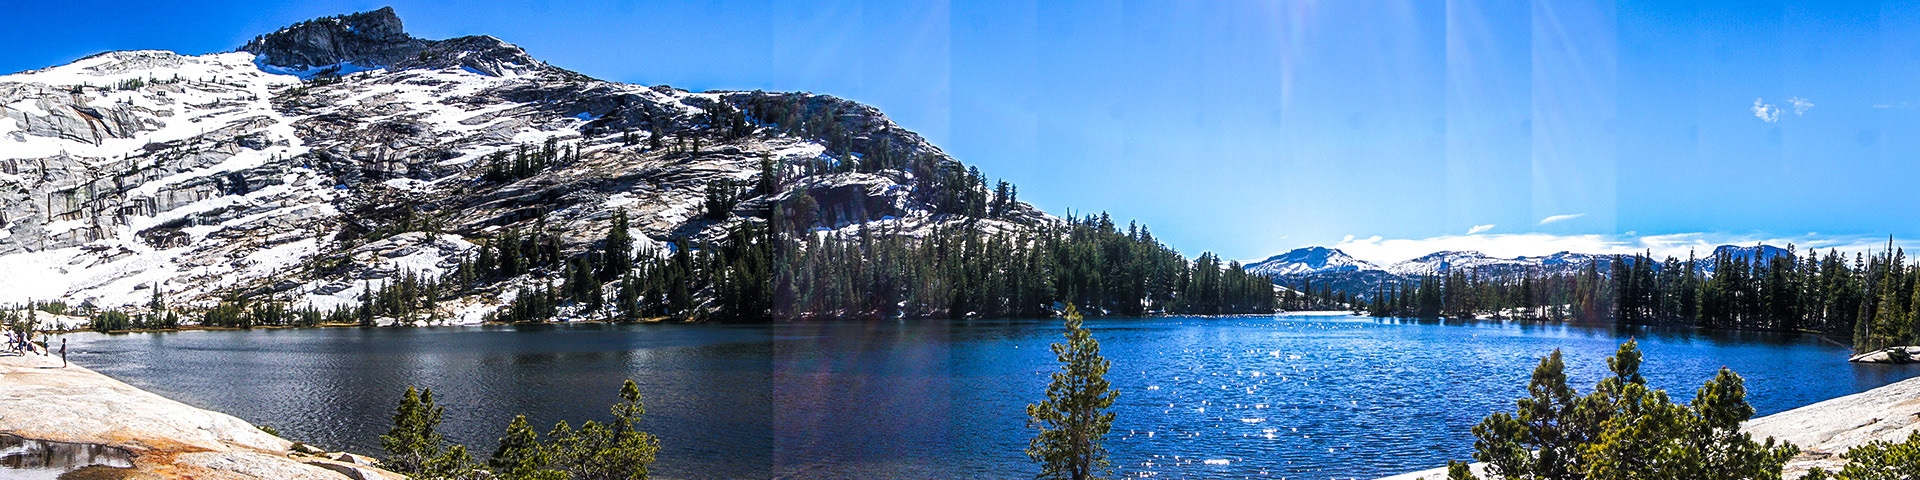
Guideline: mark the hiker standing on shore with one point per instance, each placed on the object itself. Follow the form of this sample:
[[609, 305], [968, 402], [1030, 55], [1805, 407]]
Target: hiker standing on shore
[[63, 351]]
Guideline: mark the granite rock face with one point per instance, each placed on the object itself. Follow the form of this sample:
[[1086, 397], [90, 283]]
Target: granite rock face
[[130, 175], [377, 39], [479, 53], [373, 38], [67, 115], [1827, 429], [1893, 355], [41, 400]]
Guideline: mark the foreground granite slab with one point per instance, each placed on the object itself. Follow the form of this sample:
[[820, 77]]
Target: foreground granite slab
[[41, 400]]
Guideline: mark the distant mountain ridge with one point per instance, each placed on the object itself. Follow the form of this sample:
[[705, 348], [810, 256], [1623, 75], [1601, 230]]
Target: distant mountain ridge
[[1316, 267], [1310, 260], [1761, 252]]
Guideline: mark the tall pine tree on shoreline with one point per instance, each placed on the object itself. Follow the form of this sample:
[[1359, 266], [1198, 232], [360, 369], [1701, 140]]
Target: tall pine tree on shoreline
[[1074, 420]]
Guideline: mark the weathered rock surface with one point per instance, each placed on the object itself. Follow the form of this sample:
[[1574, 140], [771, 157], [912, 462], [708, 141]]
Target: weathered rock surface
[[168, 439], [354, 471], [377, 39], [68, 115], [369, 38], [1827, 429], [1906, 354]]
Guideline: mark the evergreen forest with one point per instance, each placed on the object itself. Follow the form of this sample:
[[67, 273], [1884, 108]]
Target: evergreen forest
[[1868, 297]]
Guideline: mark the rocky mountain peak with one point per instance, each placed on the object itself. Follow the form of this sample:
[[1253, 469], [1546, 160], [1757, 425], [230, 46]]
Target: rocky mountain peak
[[366, 38], [130, 175], [378, 39], [1321, 266], [1309, 259], [380, 25], [1445, 255]]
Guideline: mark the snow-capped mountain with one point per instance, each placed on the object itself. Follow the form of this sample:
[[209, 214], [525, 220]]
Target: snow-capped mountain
[[1439, 263], [1308, 260], [1443, 261], [1569, 261], [1749, 254], [274, 168], [1322, 266], [1314, 269]]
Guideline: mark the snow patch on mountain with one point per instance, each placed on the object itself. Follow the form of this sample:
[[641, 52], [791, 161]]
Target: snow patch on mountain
[[1443, 262], [1307, 260], [1329, 267], [270, 172], [151, 169]]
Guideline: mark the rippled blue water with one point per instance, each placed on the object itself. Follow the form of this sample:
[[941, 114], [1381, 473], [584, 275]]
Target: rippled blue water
[[1268, 397]]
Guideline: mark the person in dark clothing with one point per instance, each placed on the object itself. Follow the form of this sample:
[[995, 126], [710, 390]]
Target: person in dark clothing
[[63, 351]]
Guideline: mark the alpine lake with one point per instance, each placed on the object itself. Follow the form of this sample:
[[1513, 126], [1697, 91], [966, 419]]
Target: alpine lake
[[1298, 397]]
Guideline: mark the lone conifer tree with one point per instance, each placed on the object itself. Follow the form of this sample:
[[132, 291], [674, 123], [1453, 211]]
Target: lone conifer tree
[[1073, 420], [413, 441]]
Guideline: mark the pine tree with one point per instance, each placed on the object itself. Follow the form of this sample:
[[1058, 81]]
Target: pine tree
[[1073, 420], [628, 298], [1508, 442], [605, 450], [630, 452], [454, 464], [414, 439], [520, 455], [511, 263], [619, 249], [1624, 430], [768, 183], [1876, 460], [367, 311]]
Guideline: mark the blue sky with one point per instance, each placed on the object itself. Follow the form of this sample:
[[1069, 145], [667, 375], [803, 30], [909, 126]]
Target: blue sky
[[1249, 128]]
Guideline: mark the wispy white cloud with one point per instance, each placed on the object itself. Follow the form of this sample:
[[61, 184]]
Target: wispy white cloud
[[1766, 112], [1385, 251], [1561, 218], [1893, 105], [1479, 228], [1800, 105]]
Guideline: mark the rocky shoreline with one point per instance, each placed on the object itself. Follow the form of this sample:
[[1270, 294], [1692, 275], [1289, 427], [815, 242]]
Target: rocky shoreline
[[42, 401], [1896, 355], [1823, 430]]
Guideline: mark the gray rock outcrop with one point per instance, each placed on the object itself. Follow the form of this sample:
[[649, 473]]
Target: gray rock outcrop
[[377, 39], [1896, 355], [69, 115], [43, 401]]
